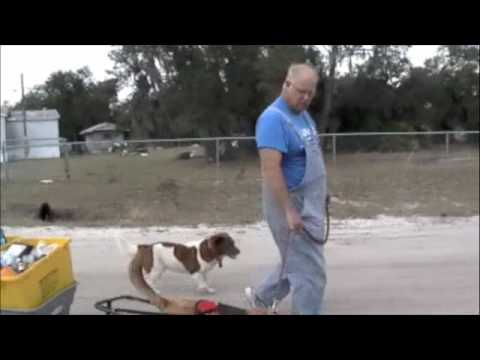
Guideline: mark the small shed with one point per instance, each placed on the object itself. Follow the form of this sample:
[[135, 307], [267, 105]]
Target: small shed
[[99, 138], [38, 127], [3, 119]]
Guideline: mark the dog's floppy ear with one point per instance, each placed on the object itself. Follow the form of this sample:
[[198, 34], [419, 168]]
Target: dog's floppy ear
[[145, 252], [216, 243], [218, 239]]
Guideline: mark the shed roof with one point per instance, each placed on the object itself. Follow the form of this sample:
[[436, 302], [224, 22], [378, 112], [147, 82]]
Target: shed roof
[[35, 115], [105, 126]]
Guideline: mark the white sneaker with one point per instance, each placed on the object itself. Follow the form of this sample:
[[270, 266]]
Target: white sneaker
[[250, 296], [252, 299]]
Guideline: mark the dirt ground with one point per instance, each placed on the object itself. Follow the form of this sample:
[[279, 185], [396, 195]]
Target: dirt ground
[[404, 232], [386, 265], [158, 189]]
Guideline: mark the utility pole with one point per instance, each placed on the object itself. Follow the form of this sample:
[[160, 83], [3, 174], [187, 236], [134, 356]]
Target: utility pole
[[24, 122]]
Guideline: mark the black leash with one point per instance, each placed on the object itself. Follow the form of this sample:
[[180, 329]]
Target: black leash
[[327, 220]]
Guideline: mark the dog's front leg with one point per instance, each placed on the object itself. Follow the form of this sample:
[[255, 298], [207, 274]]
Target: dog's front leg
[[202, 285]]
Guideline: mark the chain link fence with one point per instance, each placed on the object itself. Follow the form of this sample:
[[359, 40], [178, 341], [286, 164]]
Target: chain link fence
[[184, 181]]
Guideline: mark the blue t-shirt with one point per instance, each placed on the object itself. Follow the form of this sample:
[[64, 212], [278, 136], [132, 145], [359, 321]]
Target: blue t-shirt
[[273, 132]]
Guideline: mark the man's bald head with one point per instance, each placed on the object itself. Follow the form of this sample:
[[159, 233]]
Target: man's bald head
[[300, 86], [296, 71]]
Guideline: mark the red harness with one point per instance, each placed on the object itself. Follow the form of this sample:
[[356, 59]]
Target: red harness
[[205, 307]]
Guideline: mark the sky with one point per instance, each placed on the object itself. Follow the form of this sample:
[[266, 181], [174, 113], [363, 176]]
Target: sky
[[37, 62]]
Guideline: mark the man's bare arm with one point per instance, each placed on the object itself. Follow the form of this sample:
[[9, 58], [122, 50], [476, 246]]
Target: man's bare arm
[[272, 174]]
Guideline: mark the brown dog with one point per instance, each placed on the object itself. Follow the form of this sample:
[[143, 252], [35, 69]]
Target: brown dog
[[196, 258], [143, 262]]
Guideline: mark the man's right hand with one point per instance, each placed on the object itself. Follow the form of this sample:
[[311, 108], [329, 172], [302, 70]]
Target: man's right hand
[[294, 220]]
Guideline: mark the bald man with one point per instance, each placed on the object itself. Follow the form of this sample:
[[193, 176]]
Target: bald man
[[294, 195]]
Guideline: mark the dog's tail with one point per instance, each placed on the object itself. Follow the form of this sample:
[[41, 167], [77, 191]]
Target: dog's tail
[[143, 262], [131, 249], [125, 248]]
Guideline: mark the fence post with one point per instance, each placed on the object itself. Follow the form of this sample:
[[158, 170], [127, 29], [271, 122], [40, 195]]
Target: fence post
[[334, 142], [447, 142], [5, 160], [3, 187], [217, 159], [65, 158], [217, 175]]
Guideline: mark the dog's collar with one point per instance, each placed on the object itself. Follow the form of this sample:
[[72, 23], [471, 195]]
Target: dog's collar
[[218, 258]]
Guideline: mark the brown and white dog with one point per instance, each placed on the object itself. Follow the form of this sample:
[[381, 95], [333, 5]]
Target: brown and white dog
[[196, 258], [142, 263]]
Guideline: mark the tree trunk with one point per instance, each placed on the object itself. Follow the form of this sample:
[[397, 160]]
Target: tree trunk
[[329, 87]]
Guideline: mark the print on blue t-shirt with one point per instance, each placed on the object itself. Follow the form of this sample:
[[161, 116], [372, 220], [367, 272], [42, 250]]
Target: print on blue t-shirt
[[273, 132]]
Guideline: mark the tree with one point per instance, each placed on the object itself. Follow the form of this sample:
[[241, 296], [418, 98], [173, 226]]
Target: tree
[[34, 99], [387, 63], [336, 54], [211, 90], [204, 90], [79, 100], [457, 68], [421, 100]]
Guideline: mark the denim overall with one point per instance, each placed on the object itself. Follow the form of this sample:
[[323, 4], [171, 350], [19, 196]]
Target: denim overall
[[302, 258]]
